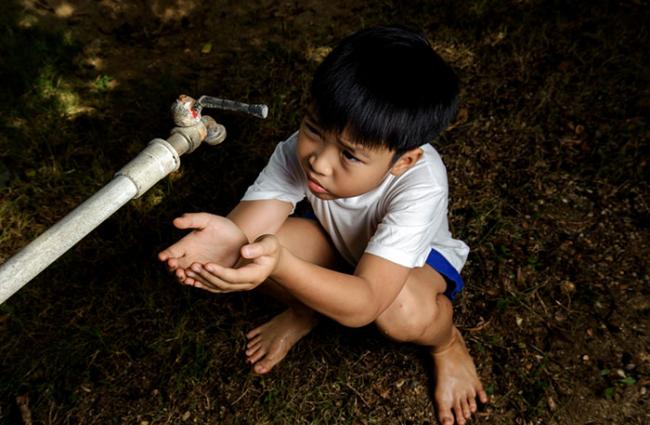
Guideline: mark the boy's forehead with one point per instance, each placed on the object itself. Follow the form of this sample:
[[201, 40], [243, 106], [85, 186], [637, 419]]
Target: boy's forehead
[[345, 137]]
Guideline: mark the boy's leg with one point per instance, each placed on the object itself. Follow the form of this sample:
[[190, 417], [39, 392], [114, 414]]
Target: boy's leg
[[423, 315], [269, 344]]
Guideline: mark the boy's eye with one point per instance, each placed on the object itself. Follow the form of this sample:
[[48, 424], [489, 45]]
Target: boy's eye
[[348, 155]]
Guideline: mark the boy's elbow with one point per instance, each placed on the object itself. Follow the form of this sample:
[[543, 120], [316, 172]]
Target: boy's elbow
[[355, 322], [359, 319], [362, 313]]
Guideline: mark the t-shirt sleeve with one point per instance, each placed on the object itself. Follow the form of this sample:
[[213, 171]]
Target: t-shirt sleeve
[[281, 179], [411, 219]]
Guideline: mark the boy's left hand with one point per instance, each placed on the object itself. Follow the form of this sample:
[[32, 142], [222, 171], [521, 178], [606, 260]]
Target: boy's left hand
[[260, 260]]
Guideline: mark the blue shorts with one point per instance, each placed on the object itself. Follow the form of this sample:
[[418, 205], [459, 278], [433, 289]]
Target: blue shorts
[[440, 264], [455, 282]]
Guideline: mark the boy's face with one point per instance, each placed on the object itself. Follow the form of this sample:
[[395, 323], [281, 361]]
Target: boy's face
[[335, 166]]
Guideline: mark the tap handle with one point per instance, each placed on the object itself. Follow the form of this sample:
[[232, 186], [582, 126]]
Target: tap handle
[[257, 110]]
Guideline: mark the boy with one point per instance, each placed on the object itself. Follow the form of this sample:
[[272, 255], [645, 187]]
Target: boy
[[379, 192]]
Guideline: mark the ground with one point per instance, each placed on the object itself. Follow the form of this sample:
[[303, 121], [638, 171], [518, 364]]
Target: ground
[[548, 173]]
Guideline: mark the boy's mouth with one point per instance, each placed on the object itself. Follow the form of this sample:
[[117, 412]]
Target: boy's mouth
[[315, 187]]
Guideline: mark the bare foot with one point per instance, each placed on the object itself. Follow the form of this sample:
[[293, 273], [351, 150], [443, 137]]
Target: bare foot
[[270, 343], [457, 383]]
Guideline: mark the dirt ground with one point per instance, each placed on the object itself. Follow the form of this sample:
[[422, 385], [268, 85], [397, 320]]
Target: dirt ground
[[548, 173]]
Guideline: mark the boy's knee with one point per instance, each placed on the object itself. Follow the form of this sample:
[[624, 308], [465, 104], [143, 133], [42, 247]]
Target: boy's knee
[[406, 322]]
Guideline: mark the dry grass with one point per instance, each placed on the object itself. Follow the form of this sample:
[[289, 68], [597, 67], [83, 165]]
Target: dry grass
[[549, 177]]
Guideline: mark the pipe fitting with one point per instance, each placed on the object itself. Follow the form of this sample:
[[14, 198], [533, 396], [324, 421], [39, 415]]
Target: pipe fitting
[[157, 160], [191, 136]]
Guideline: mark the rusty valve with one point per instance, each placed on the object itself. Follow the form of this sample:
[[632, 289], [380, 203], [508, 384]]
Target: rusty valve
[[186, 112]]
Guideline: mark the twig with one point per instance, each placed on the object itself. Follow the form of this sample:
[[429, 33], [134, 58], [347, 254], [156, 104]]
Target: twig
[[358, 394], [478, 327], [23, 405]]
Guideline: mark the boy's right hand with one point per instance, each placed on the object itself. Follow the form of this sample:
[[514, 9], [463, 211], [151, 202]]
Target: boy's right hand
[[214, 239]]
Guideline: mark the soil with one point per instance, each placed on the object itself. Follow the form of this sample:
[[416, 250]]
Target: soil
[[548, 173]]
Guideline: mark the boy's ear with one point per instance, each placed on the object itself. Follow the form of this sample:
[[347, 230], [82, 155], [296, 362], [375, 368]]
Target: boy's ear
[[406, 161]]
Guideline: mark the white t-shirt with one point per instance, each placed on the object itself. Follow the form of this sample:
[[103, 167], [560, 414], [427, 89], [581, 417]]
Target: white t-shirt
[[401, 220]]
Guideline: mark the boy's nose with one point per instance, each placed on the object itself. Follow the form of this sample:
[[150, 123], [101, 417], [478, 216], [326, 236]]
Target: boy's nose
[[320, 163]]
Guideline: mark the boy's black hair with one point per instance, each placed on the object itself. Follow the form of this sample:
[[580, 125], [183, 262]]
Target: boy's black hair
[[387, 87]]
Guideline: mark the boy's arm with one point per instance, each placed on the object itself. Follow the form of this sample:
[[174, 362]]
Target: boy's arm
[[261, 217], [352, 300]]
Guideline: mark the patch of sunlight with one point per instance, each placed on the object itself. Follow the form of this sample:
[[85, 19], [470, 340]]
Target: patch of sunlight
[[64, 10], [317, 54], [16, 122], [60, 8], [51, 86], [495, 37], [459, 55], [68, 38], [173, 10], [27, 21], [71, 104], [94, 62], [46, 172], [151, 199], [175, 175], [47, 82], [104, 83]]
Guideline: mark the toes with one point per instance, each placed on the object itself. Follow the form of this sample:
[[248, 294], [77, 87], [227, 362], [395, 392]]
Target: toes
[[446, 420], [254, 332], [257, 355], [252, 349], [482, 395], [472, 404], [460, 415], [445, 416], [466, 412], [254, 341], [262, 367]]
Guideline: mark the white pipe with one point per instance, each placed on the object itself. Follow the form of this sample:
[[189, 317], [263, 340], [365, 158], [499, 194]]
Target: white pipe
[[157, 160]]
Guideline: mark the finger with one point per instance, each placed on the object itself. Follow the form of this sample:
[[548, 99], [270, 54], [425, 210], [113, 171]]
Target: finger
[[243, 275], [205, 283], [169, 253], [187, 281], [190, 278], [193, 221], [201, 282], [212, 281], [173, 263], [208, 288], [170, 268], [180, 274], [264, 245]]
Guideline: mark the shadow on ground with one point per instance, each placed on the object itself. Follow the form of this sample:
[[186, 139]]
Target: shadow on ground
[[548, 171]]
